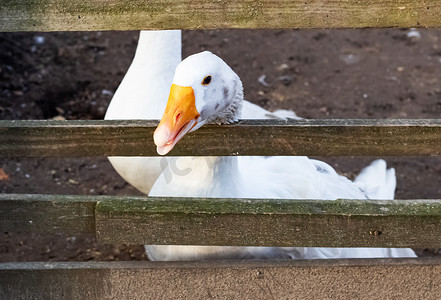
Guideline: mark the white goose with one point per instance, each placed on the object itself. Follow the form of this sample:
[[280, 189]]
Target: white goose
[[143, 94], [206, 90]]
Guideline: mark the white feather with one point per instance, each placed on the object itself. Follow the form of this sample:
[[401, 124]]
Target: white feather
[[377, 181]]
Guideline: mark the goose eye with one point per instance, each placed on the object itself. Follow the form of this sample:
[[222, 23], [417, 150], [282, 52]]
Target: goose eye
[[206, 80]]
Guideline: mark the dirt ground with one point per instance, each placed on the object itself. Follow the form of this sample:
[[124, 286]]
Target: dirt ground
[[388, 73]]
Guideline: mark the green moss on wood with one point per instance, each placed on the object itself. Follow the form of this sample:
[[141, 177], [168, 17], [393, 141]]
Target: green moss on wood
[[244, 222], [271, 206], [240, 222]]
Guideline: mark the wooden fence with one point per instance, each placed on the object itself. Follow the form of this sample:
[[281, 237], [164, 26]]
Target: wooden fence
[[55, 15], [346, 223], [239, 222]]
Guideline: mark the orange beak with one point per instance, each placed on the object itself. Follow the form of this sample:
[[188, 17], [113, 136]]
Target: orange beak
[[180, 117]]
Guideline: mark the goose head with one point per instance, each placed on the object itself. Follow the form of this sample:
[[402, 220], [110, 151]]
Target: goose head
[[205, 90]]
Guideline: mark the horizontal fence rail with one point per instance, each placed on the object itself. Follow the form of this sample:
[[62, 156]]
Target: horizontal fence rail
[[78, 15], [323, 279], [233, 222], [47, 213], [251, 137]]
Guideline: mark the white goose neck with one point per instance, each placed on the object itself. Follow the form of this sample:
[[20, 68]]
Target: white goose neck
[[157, 47], [222, 173], [214, 177], [144, 90]]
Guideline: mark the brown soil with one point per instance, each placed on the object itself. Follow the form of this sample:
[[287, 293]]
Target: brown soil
[[317, 73]]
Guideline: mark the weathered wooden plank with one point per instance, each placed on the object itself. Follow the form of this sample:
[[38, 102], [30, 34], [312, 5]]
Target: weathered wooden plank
[[284, 223], [323, 279], [53, 15], [47, 213], [254, 137], [142, 220], [76, 138]]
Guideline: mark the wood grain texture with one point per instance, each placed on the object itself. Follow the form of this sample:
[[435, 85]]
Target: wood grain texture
[[255, 137], [240, 222], [76, 15], [47, 213], [282, 223], [319, 279]]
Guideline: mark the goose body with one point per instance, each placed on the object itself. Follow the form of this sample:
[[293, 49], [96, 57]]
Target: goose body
[[205, 90], [143, 94]]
